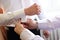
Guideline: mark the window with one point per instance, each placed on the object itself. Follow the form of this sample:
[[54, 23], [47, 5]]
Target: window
[[49, 7]]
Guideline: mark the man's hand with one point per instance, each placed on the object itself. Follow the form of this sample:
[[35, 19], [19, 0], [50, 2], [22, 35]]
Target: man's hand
[[19, 28], [34, 9], [46, 33]]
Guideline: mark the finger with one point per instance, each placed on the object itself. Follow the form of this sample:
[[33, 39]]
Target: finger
[[18, 21], [35, 4]]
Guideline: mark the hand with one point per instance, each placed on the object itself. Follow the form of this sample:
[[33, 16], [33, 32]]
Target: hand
[[46, 33], [19, 28], [1, 11], [34, 9], [31, 24]]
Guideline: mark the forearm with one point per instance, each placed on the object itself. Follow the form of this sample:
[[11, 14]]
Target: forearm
[[51, 23], [5, 18]]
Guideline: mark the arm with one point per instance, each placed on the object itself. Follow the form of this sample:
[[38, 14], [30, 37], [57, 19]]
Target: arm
[[50, 23], [5, 18], [46, 24]]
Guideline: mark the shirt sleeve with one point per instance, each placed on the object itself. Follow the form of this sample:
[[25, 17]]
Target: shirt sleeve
[[7, 17], [27, 35], [49, 23]]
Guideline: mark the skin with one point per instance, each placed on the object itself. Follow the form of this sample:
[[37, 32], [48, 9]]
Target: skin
[[19, 27], [34, 9]]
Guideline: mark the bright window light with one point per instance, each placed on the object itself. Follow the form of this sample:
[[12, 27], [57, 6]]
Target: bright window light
[[49, 7]]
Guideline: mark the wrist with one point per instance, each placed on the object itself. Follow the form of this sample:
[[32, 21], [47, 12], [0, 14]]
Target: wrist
[[26, 11]]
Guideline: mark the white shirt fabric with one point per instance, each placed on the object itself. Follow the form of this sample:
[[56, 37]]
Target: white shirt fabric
[[50, 23], [10, 17], [34, 17], [28, 35]]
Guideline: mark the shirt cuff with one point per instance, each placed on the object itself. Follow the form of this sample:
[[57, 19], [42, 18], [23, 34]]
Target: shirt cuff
[[20, 14], [26, 35]]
